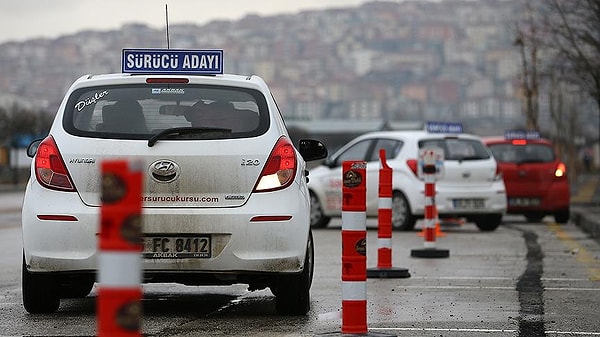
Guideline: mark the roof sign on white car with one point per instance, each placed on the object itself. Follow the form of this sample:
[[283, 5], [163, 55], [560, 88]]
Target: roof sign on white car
[[443, 127], [172, 61], [522, 134]]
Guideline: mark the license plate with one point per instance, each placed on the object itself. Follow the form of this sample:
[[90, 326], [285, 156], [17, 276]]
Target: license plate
[[177, 247], [523, 202], [469, 203]]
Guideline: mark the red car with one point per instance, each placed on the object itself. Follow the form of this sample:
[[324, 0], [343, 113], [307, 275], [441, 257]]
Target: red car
[[536, 180]]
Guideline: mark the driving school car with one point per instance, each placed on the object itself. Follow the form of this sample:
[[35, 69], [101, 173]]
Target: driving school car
[[536, 180], [225, 197], [469, 184]]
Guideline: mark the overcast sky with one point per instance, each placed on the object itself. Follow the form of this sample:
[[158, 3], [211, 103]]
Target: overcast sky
[[26, 19]]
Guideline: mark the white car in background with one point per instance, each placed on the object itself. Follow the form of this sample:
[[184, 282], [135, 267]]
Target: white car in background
[[224, 192], [471, 185]]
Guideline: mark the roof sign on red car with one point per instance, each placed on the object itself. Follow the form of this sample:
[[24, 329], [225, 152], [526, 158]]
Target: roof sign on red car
[[172, 61], [522, 134], [443, 127]]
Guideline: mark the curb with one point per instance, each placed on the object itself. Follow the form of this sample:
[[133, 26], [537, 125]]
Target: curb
[[588, 219]]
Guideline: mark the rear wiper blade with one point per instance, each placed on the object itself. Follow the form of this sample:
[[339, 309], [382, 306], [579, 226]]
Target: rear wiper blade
[[169, 133]]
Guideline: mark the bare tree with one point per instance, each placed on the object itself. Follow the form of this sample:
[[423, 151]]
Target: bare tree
[[573, 28], [528, 43]]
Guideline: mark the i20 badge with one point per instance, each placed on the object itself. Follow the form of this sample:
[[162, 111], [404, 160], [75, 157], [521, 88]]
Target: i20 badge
[[164, 171]]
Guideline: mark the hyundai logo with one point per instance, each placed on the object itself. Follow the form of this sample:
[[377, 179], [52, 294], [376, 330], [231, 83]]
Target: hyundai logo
[[164, 171]]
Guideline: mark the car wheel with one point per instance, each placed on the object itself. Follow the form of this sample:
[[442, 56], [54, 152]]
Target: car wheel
[[317, 218], [40, 295], [402, 218], [488, 223], [78, 289], [562, 217], [293, 292]]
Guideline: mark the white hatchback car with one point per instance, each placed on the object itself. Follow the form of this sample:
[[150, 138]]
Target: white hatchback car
[[219, 166], [471, 185]]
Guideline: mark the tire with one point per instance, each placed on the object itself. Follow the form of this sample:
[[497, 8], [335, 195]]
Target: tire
[[78, 289], [402, 218], [40, 292], [488, 223], [562, 217], [293, 292], [317, 218]]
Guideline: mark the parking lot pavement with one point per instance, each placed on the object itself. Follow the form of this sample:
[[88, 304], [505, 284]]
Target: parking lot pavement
[[585, 204], [11, 198]]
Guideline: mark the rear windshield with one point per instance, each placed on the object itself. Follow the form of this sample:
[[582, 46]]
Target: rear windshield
[[141, 111], [457, 148], [530, 153]]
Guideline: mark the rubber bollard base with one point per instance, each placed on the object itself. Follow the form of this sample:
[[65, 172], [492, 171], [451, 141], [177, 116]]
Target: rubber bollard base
[[393, 272], [430, 253]]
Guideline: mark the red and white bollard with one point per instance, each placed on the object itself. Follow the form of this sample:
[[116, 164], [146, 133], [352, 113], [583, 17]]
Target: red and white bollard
[[119, 304], [430, 250], [354, 251], [384, 267], [354, 247]]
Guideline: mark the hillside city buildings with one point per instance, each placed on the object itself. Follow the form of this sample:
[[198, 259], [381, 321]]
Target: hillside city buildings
[[381, 62]]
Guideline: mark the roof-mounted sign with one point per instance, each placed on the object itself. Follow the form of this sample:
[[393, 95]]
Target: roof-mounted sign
[[522, 134], [443, 127], [172, 61]]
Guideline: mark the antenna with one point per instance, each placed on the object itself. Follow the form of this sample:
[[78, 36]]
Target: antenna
[[167, 22]]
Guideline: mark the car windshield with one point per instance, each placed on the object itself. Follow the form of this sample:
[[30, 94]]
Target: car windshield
[[143, 111], [457, 148], [530, 153]]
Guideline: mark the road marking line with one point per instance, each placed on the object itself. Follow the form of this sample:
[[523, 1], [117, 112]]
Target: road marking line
[[457, 287], [583, 255], [582, 333], [573, 289], [465, 278], [447, 329], [586, 192]]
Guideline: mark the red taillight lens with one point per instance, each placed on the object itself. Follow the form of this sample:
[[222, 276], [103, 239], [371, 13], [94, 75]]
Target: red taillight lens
[[280, 168], [412, 164], [561, 170], [50, 170], [519, 142]]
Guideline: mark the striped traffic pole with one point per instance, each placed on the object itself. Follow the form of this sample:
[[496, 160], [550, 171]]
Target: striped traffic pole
[[384, 267], [430, 250], [354, 248], [119, 296], [354, 251]]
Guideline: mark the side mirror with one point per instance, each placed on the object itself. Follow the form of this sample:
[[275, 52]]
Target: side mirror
[[312, 149], [33, 147]]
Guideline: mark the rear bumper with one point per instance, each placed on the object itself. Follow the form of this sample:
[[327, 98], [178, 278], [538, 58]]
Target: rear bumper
[[493, 196], [556, 197], [240, 246]]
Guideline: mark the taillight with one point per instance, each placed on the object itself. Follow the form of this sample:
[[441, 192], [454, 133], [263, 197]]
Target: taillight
[[413, 165], [50, 169], [561, 170], [280, 169]]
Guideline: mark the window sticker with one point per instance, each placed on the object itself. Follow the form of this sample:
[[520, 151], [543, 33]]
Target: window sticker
[[168, 91], [90, 100]]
